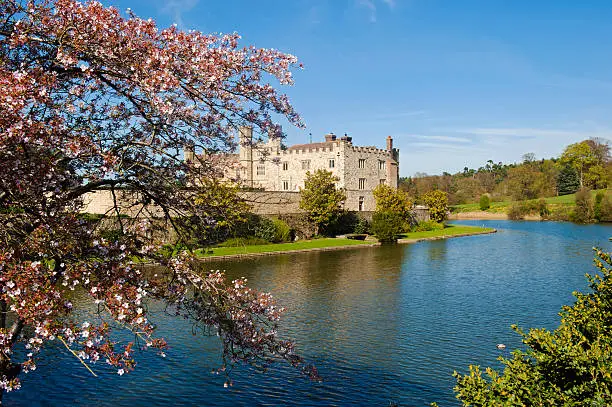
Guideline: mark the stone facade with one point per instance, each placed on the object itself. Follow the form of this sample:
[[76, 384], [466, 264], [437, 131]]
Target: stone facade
[[278, 173], [271, 167]]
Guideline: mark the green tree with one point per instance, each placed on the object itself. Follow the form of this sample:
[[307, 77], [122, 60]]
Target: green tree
[[522, 182], [570, 366], [321, 199], [580, 156], [438, 205], [220, 205], [583, 212], [568, 181], [386, 226], [485, 202], [597, 177], [389, 199]]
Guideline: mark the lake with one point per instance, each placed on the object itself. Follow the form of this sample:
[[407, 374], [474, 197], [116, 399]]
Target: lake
[[382, 324]]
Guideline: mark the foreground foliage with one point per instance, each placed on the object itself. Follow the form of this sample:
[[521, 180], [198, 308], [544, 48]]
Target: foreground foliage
[[570, 366], [94, 101]]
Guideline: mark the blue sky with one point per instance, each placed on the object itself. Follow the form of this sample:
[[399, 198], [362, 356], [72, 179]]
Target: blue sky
[[455, 83]]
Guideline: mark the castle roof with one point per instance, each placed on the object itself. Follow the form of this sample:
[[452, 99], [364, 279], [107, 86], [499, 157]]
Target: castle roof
[[310, 145]]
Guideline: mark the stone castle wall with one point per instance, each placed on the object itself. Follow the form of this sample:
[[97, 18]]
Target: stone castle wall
[[359, 169]]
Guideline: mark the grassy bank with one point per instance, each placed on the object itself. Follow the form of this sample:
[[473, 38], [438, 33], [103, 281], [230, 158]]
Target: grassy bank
[[281, 247], [322, 244], [554, 202], [448, 231]]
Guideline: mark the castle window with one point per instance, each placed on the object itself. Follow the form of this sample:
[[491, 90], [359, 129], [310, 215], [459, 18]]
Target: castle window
[[261, 170], [361, 203], [382, 164], [361, 183], [285, 165], [382, 181], [332, 163], [305, 164], [362, 163], [285, 185]]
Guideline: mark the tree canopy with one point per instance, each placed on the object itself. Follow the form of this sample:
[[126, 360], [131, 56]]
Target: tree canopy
[[94, 100], [438, 205], [389, 199], [321, 199]]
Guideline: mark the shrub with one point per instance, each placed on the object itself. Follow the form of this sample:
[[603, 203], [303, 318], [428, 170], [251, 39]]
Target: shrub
[[170, 250], [362, 226], [429, 225], [516, 212], [485, 202], [386, 226], [583, 212], [560, 213], [343, 224], [597, 205], [273, 230], [569, 366], [543, 209], [283, 232], [437, 201], [605, 209]]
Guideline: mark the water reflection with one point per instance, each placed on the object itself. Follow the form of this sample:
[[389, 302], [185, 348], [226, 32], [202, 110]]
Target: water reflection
[[381, 324]]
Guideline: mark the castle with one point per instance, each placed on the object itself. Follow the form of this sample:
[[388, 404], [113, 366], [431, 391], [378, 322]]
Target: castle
[[272, 167], [272, 174]]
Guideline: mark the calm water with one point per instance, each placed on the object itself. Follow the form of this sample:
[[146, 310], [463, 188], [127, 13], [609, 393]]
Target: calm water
[[381, 324]]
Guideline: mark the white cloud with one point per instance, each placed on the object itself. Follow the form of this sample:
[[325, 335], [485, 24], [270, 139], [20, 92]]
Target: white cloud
[[176, 9], [370, 5]]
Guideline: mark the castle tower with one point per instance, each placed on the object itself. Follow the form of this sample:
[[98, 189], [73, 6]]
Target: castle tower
[[245, 148], [392, 164]]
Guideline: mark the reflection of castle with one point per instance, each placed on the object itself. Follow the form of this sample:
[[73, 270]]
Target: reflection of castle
[[272, 167]]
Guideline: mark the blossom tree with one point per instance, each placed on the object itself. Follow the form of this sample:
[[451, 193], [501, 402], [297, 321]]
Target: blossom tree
[[94, 100]]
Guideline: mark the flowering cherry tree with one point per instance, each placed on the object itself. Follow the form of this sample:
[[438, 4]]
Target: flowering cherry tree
[[92, 100]]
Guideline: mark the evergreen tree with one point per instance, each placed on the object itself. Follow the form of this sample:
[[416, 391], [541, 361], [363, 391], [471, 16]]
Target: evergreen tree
[[568, 181]]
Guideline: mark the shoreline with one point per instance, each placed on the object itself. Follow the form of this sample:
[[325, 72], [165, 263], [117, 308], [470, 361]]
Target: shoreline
[[483, 215], [333, 248]]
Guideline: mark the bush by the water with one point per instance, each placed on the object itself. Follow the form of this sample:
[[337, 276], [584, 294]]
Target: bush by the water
[[569, 366], [270, 230], [273, 230], [387, 226], [583, 212], [518, 210], [485, 202], [427, 226], [515, 212], [602, 209], [362, 226]]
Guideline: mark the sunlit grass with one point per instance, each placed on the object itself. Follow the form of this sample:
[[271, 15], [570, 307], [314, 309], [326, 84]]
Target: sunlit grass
[[449, 230], [281, 247], [501, 207]]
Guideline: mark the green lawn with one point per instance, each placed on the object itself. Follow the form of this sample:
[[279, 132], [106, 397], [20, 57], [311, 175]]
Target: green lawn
[[501, 207], [450, 230], [280, 247]]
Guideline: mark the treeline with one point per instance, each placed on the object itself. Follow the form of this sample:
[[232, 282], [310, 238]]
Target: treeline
[[585, 164]]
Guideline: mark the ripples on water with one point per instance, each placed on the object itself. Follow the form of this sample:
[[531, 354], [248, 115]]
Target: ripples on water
[[381, 324]]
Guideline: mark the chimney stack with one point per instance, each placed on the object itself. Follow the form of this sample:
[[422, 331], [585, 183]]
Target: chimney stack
[[330, 137], [389, 143]]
